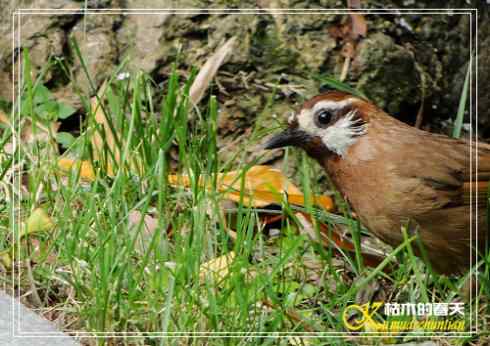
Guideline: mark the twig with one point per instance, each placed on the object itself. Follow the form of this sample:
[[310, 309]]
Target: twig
[[345, 69], [30, 277], [420, 113]]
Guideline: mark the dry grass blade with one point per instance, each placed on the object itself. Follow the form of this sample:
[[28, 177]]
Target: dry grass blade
[[208, 71], [97, 140], [420, 113]]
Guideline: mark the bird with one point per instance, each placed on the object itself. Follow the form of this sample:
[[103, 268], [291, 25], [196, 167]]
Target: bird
[[394, 175]]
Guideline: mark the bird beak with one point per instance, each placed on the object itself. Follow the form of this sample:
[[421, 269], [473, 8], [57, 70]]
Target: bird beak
[[289, 137]]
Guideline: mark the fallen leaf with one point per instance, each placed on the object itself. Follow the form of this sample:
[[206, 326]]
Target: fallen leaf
[[149, 222], [38, 222], [5, 258], [4, 119], [87, 172], [149, 225], [263, 186], [217, 268], [208, 71], [30, 133]]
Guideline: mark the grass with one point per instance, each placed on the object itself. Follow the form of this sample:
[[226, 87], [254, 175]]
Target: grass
[[99, 270], [458, 122]]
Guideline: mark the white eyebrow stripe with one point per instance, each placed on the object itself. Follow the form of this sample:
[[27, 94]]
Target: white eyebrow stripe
[[332, 105]]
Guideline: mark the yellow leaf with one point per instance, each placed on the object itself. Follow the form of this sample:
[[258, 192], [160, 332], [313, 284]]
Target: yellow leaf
[[86, 170], [263, 186], [5, 258], [217, 268], [4, 119], [39, 221]]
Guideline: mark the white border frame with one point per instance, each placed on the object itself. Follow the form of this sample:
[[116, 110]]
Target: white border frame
[[16, 19]]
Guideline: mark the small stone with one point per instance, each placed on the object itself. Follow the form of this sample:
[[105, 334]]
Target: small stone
[[274, 232]]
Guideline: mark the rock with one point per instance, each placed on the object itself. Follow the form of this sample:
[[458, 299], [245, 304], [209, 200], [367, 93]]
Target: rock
[[43, 35], [399, 52], [243, 27], [97, 42], [386, 73], [139, 37], [28, 322]]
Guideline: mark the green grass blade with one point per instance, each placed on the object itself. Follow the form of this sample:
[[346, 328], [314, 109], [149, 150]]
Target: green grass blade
[[458, 122]]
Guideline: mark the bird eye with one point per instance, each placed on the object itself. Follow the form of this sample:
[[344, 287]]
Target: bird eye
[[323, 118]]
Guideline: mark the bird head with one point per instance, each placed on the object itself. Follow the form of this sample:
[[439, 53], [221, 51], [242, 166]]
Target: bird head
[[326, 124]]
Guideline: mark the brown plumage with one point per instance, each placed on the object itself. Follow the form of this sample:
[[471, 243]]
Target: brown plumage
[[392, 173]]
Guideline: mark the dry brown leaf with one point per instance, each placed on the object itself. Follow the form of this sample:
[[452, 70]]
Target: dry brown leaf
[[263, 186], [150, 224], [41, 133], [217, 268], [208, 71]]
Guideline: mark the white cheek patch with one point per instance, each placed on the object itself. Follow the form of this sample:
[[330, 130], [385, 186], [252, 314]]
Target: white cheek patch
[[345, 132], [339, 136]]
